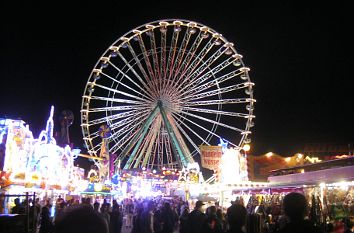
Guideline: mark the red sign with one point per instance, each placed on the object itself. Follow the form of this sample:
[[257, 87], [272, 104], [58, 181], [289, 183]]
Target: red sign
[[211, 156]]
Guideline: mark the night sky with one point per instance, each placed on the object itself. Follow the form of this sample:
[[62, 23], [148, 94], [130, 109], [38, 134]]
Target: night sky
[[301, 61]]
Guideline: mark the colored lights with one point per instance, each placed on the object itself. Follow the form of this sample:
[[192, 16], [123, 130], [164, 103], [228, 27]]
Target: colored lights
[[36, 161]]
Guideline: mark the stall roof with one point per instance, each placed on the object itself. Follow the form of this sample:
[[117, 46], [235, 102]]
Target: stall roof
[[336, 174], [316, 166]]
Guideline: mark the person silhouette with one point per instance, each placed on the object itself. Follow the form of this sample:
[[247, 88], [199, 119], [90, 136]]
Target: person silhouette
[[196, 218], [80, 219], [236, 218], [295, 208]]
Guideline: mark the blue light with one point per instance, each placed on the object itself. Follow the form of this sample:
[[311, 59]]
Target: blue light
[[223, 144], [115, 179], [114, 54], [104, 64]]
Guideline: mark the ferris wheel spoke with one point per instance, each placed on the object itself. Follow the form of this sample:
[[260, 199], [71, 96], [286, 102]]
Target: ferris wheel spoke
[[117, 108], [187, 61], [154, 150], [124, 127], [136, 119], [139, 152], [163, 58], [159, 147], [149, 161], [203, 128], [141, 68], [128, 87], [213, 72], [129, 131], [142, 150], [116, 100], [166, 148], [204, 66], [196, 134], [187, 135], [118, 92], [180, 55], [121, 142], [145, 55], [97, 147], [234, 60], [124, 135], [138, 137], [148, 89], [214, 122], [141, 90], [113, 117], [221, 101], [225, 113], [170, 59], [190, 66], [154, 55], [94, 136], [212, 83], [219, 91], [151, 142], [147, 143]]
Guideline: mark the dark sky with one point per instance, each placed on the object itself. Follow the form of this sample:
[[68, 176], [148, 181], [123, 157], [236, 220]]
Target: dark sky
[[301, 61]]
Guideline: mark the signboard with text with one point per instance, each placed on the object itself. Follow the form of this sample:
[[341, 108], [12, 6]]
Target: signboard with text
[[210, 156]]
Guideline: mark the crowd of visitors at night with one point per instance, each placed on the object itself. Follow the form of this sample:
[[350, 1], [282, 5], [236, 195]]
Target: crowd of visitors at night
[[156, 215]]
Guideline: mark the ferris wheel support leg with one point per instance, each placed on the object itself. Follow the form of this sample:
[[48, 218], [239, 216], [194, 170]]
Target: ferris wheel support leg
[[142, 132], [173, 137], [151, 144], [150, 138]]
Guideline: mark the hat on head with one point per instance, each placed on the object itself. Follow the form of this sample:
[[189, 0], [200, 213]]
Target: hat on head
[[199, 204]]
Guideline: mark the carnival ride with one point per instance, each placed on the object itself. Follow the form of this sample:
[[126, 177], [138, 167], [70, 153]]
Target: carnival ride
[[66, 120], [163, 89], [34, 164]]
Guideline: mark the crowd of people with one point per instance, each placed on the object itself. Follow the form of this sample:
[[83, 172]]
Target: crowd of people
[[159, 215]]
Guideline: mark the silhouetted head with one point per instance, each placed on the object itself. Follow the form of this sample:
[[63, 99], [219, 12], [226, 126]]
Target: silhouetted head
[[80, 219], [295, 206], [211, 211], [236, 216], [96, 206], [199, 204], [17, 201]]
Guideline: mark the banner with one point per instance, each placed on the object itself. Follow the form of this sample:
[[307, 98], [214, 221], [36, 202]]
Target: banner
[[210, 156]]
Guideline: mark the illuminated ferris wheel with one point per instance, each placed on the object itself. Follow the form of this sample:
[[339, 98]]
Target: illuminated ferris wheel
[[163, 89]]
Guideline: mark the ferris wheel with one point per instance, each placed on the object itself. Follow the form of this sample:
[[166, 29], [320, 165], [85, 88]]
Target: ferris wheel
[[163, 89]]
